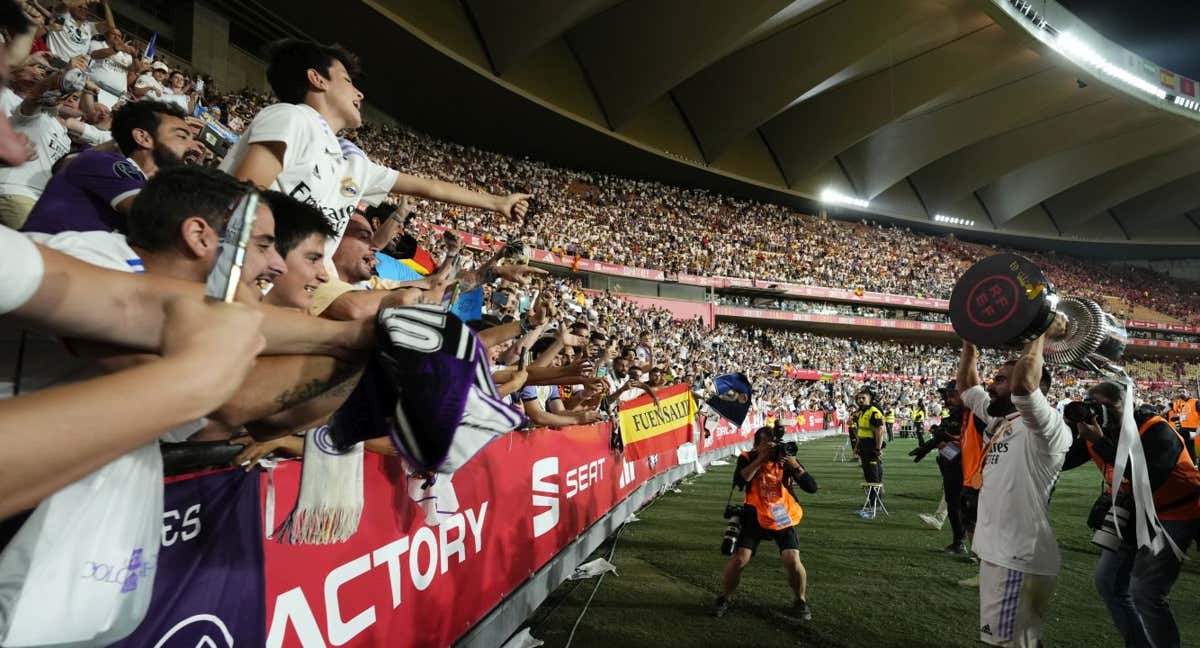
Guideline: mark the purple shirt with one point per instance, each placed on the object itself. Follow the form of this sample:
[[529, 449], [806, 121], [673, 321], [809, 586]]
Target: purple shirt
[[83, 196]]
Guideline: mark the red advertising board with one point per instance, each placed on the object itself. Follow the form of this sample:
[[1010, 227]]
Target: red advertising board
[[726, 434], [401, 582], [1161, 326]]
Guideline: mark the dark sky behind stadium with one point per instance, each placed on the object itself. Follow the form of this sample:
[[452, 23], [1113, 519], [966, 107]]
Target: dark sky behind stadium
[[1166, 32]]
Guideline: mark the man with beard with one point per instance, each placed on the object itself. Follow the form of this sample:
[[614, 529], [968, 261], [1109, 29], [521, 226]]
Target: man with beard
[[1025, 443], [96, 188]]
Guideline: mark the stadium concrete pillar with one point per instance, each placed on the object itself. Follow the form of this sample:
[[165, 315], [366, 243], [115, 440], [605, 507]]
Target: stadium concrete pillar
[[206, 33]]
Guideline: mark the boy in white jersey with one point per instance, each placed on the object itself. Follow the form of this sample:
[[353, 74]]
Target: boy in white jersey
[[293, 147], [1025, 443]]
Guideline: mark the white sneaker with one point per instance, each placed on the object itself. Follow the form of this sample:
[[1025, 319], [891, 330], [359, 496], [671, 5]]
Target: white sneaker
[[930, 521], [972, 582]]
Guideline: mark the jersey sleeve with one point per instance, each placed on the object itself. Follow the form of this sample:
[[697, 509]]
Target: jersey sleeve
[[284, 123], [527, 393], [380, 180], [1043, 420], [106, 178], [977, 400]]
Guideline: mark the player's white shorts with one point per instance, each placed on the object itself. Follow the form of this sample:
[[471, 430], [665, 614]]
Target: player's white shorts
[[1012, 605]]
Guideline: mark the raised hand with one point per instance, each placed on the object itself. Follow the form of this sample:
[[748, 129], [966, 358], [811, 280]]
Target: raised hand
[[514, 205]]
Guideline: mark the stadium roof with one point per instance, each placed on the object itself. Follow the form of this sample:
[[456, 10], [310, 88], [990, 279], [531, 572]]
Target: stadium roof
[[996, 119]]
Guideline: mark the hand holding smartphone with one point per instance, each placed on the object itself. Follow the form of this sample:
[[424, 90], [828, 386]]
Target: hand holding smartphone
[[225, 276]]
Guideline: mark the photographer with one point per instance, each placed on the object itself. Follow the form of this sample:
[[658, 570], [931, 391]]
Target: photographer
[[1134, 583], [1025, 443], [1185, 416], [948, 441], [766, 473], [869, 445]]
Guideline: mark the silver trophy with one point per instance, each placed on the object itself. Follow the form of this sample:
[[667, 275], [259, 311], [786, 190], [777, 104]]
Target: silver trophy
[[1005, 300]]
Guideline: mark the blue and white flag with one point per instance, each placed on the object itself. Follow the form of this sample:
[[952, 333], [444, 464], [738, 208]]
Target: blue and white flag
[[733, 397]]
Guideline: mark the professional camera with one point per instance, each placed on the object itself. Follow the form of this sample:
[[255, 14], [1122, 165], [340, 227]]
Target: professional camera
[[1077, 412], [1101, 519], [940, 433], [783, 448], [733, 514]]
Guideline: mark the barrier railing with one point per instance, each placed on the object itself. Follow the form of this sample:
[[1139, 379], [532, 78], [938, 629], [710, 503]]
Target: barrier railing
[[426, 564]]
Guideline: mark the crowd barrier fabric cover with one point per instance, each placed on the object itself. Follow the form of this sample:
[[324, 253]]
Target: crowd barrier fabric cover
[[408, 577]]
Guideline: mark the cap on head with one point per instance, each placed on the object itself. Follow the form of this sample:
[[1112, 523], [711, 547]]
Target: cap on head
[[160, 66]]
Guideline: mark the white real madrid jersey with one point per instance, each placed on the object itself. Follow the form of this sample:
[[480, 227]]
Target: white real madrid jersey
[[314, 169]]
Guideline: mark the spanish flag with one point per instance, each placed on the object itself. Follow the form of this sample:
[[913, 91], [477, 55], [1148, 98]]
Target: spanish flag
[[649, 429]]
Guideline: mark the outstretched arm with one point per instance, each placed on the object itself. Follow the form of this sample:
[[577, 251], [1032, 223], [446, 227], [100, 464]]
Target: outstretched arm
[[512, 205]]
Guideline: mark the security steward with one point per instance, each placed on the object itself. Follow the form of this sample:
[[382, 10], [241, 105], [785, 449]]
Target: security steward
[[889, 419], [869, 430], [918, 419], [1185, 417], [1134, 583], [770, 512]]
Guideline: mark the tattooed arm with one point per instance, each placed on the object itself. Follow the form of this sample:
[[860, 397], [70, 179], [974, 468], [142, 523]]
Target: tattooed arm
[[310, 412], [280, 383]]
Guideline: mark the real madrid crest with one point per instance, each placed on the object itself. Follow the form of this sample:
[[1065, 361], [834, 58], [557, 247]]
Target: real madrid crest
[[349, 188]]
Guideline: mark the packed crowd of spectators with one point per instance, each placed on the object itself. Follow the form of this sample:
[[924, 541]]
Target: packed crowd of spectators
[[834, 308], [698, 232], [128, 210]]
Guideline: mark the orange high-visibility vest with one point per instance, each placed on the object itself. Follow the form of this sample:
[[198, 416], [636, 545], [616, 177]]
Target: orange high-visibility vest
[[1178, 498], [775, 506], [1183, 410], [972, 447]]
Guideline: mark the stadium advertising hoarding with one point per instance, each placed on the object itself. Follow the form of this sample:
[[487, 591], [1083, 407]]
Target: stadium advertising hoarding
[[414, 577], [421, 569]]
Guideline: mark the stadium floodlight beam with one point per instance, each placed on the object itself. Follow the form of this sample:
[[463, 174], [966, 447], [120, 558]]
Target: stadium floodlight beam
[[1075, 49], [832, 196]]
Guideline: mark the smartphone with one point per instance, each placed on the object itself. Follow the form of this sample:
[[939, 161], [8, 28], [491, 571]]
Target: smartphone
[[524, 361], [455, 293], [225, 276]]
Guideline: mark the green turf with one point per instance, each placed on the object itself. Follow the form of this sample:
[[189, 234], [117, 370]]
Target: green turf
[[877, 584]]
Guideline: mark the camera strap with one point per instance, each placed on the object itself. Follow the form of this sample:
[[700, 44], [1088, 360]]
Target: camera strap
[[732, 488]]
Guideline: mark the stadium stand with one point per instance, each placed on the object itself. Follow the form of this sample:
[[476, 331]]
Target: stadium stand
[[552, 348]]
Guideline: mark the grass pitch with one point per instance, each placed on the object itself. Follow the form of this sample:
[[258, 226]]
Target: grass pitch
[[876, 584]]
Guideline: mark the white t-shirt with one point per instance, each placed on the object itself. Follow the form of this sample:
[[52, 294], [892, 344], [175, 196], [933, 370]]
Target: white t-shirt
[[315, 170], [52, 142], [1019, 473], [74, 39], [9, 101], [110, 73], [147, 80], [22, 268], [180, 100]]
